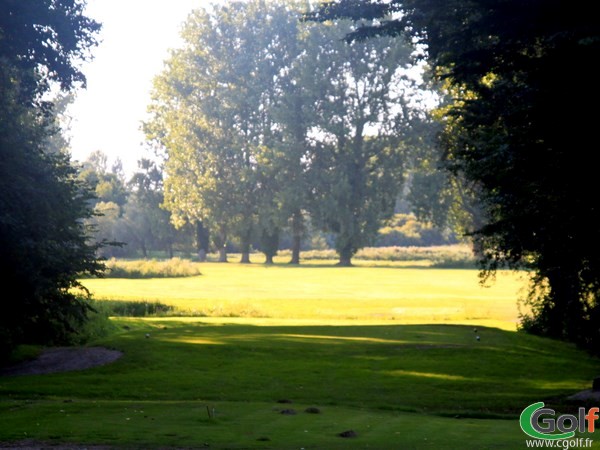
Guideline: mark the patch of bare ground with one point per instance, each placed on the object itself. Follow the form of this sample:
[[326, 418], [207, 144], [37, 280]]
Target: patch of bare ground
[[64, 359]]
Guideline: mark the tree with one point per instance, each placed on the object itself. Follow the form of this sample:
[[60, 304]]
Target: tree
[[265, 118], [523, 138], [436, 195], [108, 203], [149, 224], [44, 41], [212, 112], [362, 124], [42, 204], [43, 240]]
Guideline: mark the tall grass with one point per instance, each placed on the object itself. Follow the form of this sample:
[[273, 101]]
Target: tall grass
[[444, 256], [171, 268]]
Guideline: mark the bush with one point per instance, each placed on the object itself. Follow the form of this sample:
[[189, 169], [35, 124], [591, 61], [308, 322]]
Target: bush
[[124, 308], [174, 267], [406, 231], [96, 326], [444, 256]]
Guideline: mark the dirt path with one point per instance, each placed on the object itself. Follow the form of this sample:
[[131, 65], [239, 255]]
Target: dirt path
[[33, 445], [64, 359]]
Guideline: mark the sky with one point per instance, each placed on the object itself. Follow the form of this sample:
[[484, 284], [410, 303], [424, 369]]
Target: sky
[[135, 39]]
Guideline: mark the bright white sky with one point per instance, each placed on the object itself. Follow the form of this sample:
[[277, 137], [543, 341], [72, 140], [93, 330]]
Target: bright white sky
[[136, 36], [135, 39]]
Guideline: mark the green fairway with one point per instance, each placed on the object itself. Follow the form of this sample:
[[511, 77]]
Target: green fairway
[[325, 293], [223, 382]]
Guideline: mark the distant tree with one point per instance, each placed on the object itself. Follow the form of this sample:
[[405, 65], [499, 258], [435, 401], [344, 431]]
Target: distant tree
[[108, 184], [212, 112], [522, 73], [362, 121], [108, 203], [148, 222], [43, 238], [265, 118]]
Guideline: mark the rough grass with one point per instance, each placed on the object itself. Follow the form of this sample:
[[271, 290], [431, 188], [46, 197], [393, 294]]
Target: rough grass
[[151, 268], [457, 256]]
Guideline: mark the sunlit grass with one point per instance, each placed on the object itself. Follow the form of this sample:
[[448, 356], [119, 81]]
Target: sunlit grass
[[364, 293]]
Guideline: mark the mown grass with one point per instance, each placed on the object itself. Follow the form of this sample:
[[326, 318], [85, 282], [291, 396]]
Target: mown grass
[[390, 353], [314, 292], [394, 385]]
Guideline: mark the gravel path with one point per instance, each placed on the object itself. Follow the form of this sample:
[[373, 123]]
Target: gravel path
[[64, 359]]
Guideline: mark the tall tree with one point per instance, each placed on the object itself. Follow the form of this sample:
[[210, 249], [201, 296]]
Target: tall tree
[[212, 112], [361, 124], [42, 235], [523, 74]]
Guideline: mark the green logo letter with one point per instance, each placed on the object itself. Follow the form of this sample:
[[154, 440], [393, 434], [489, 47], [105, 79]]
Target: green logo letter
[[528, 416]]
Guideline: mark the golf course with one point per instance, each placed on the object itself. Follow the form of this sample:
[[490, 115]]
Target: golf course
[[312, 356]]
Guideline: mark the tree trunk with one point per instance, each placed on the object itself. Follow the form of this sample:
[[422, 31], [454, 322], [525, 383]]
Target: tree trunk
[[245, 257], [245, 247], [565, 317], [345, 253], [202, 241], [223, 254], [269, 242], [297, 233], [220, 240], [345, 261], [144, 250], [170, 249]]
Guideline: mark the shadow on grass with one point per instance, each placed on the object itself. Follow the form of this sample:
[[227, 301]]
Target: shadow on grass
[[433, 369]]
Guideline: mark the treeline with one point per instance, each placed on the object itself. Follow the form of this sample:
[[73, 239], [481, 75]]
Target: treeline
[[268, 123], [44, 246], [516, 137], [129, 214]]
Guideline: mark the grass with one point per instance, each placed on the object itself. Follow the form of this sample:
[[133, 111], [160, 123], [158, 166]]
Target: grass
[[458, 256], [152, 268], [387, 352], [315, 292]]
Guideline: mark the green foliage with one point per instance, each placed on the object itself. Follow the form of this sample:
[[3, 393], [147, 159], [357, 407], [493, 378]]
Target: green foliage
[[44, 41], [125, 308], [174, 267], [96, 326], [43, 238], [516, 133], [211, 112], [147, 223], [265, 118], [406, 231]]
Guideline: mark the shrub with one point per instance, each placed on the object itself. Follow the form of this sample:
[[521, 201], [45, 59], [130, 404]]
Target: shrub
[[444, 256], [124, 308], [174, 267], [405, 230]]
